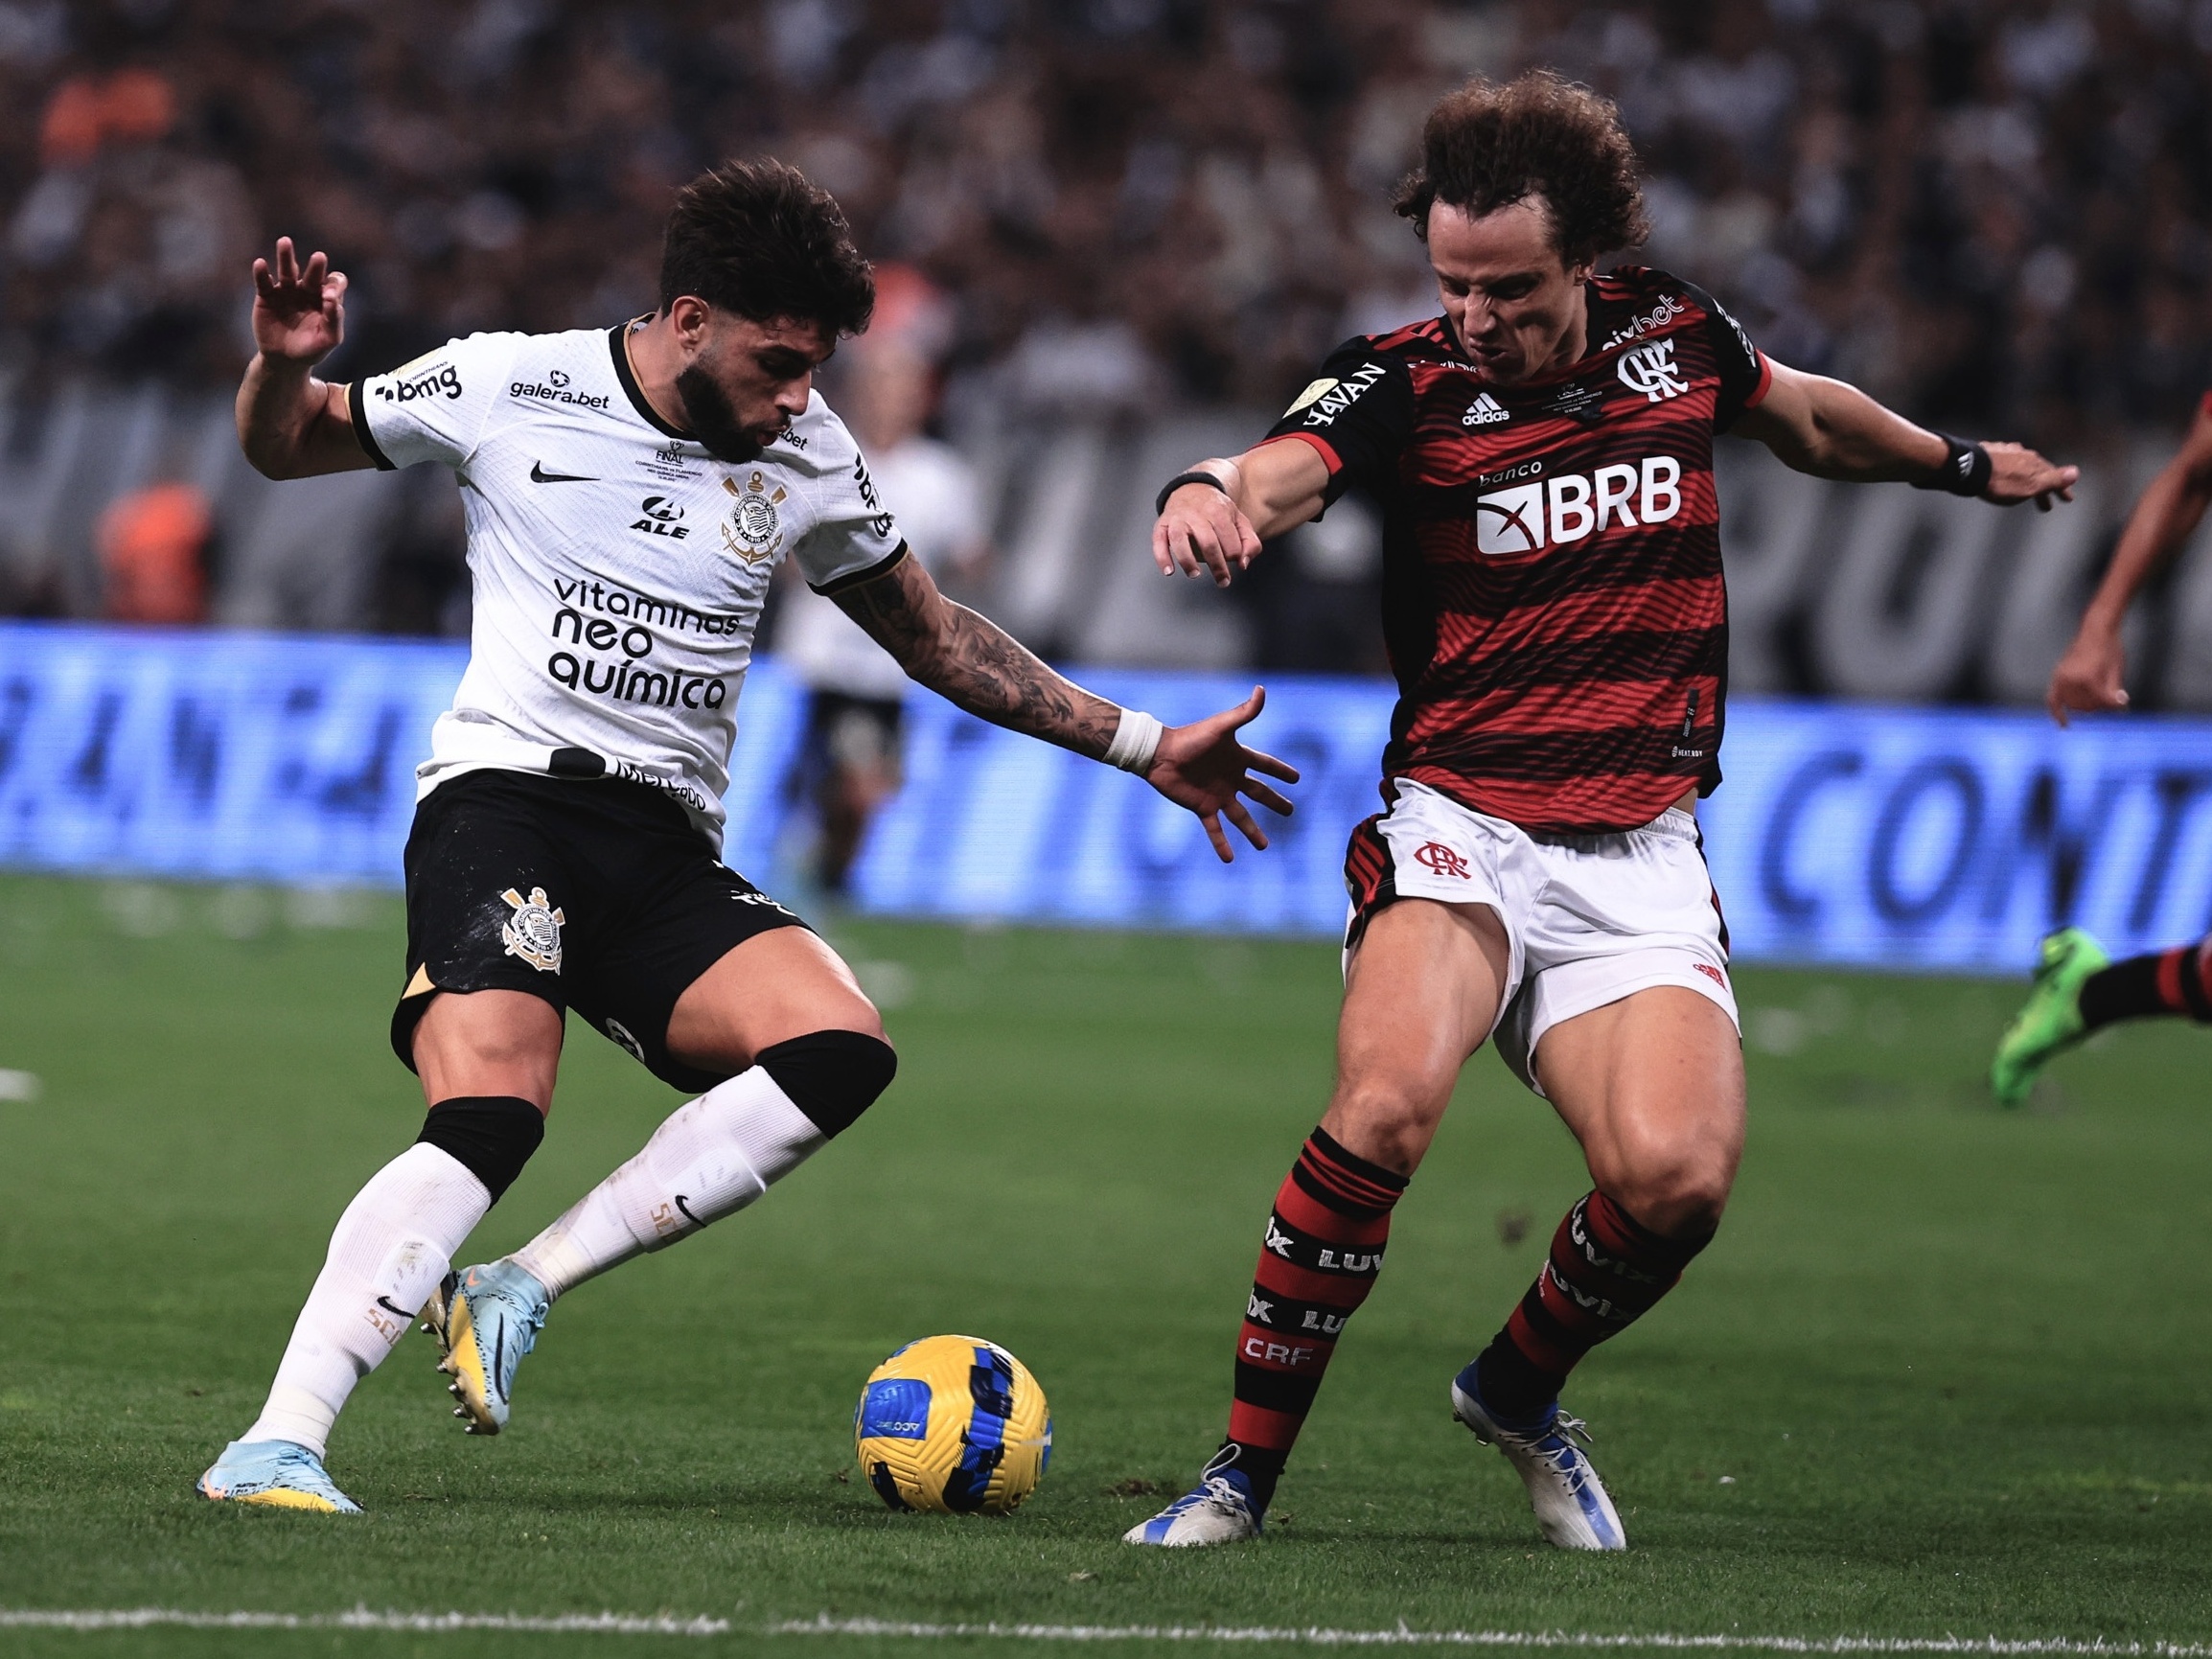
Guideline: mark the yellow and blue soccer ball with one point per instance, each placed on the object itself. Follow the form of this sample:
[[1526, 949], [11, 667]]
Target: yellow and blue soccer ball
[[953, 1424]]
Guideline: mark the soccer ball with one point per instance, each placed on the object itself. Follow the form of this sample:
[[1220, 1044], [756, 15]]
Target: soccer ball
[[956, 1426]]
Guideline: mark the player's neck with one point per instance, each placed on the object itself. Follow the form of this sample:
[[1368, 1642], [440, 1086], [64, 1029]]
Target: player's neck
[[656, 359]]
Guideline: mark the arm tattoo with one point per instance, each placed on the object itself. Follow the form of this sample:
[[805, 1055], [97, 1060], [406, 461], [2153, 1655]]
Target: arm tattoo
[[975, 664]]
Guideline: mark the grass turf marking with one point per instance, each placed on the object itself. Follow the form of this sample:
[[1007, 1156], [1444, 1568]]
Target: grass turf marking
[[662, 1624]]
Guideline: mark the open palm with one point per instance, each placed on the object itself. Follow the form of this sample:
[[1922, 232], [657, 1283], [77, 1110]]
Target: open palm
[[299, 313], [1203, 766]]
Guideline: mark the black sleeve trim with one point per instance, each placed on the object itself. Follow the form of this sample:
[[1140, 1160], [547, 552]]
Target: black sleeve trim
[[1742, 371], [359, 416], [856, 578], [633, 391]]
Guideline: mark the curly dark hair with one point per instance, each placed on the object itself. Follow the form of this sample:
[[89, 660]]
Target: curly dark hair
[[1486, 147], [761, 239]]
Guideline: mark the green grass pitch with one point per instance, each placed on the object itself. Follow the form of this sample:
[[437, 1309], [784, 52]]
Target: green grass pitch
[[1943, 1373]]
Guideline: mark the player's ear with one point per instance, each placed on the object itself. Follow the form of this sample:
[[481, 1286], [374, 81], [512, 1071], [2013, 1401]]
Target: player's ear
[[690, 315]]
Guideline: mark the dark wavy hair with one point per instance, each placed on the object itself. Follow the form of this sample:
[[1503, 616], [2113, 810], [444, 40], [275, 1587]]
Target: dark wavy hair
[[1486, 147], [761, 239]]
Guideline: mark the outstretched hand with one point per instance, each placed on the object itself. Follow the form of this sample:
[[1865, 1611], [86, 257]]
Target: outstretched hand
[[2087, 679], [299, 314], [2018, 473], [1202, 530], [1202, 766]]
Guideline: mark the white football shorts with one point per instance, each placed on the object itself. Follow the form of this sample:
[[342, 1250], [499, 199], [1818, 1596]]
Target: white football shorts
[[1590, 919]]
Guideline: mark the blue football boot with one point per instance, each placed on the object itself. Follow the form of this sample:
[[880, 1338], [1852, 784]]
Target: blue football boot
[[485, 1319], [280, 1473], [1219, 1511], [1568, 1499]]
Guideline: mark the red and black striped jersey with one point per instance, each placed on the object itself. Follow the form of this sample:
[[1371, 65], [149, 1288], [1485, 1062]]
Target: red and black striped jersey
[[1551, 587]]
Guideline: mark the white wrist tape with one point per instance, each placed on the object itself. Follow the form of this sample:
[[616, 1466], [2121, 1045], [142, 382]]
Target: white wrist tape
[[1136, 741]]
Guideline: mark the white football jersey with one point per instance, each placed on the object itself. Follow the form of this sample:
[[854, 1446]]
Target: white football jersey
[[617, 569]]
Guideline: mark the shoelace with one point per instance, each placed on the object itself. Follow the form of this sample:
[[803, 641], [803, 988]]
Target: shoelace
[[1223, 1491]]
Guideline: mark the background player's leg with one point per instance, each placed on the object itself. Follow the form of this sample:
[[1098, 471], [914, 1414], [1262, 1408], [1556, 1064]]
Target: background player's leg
[[1652, 1087], [1421, 995], [487, 1061], [785, 1015]]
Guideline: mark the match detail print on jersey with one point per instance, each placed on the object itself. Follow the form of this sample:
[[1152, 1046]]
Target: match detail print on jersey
[[618, 569], [1553, 596]]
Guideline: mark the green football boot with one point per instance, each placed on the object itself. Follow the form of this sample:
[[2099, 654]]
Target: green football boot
[[2051, 1023]]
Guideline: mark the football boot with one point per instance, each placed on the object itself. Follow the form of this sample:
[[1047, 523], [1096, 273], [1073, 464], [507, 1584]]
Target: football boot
[[485, 1319], [1568, 1499], [280, 1473], [2051, 1023], [1218, 1510]]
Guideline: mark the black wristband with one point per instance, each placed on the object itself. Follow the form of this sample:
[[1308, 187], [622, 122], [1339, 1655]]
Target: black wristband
[[1160, 501], [1965, 471]]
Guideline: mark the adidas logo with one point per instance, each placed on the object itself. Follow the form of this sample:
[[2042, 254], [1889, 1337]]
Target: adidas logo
[[1485, 411]]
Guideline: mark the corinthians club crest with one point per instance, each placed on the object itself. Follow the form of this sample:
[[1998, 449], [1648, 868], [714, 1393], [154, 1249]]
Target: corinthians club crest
[[754, 529], [534, 931]]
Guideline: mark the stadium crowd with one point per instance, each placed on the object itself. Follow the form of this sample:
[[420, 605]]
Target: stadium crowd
[[1997, 215]]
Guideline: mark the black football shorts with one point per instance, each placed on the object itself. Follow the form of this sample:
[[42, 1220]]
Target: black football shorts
[[597, 895]]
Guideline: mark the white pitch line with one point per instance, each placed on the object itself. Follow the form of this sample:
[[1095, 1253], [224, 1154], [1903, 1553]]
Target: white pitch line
[[359, 1619], [1310, 1635], [1404, 1637]]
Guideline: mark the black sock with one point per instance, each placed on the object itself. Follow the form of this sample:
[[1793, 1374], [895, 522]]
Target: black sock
[[1512, 1384], [2169, 982], [1258, 1464]]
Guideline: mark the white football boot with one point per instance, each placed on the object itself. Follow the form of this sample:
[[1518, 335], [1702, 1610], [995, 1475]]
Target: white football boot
[[1218, 1510], [1568, 1499]]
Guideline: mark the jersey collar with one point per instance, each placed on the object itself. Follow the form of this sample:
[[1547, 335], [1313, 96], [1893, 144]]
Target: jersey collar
[[618, 341]]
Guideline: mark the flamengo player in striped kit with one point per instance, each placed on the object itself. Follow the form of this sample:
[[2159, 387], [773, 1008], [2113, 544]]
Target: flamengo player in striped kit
[[1557, 624]]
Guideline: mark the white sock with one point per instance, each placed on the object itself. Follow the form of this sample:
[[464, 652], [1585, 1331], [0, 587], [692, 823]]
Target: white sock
[[710, 1160], [393, 1244]]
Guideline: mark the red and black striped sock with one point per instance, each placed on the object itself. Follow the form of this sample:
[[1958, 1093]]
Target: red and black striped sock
[[1605, 1270], [2176, 981], [1323, 1248]]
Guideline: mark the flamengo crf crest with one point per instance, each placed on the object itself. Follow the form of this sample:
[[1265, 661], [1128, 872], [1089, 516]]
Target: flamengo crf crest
[[754, 529], [533, 931]]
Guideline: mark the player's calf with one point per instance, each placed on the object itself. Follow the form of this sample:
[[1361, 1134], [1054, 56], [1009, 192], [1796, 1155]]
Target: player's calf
[[713, 1157]]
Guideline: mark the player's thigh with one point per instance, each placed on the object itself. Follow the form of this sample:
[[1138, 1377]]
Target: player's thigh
[[494, 903], [488, 1043], [1652, 1087], [1421, 993], [777, 985]]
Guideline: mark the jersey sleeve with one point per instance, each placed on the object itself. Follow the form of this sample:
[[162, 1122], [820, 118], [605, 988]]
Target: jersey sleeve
[[853, 537], [435, 407], [1745, 373], [1358, 415]]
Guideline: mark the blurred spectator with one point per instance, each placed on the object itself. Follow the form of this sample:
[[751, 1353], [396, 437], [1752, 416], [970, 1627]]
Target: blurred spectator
[[152, 545], [1998, 213], [850, 761]]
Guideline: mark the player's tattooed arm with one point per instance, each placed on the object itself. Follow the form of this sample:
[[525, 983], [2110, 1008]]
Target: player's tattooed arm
[[976, 665], [1835, 430], [290, 423]]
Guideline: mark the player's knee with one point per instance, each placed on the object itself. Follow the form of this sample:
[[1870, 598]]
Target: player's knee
[[1388, 1121], [1679, 1193], [832, 1076], [491, 1135]]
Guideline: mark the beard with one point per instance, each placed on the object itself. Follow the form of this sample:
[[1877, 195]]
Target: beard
[[714, 423]]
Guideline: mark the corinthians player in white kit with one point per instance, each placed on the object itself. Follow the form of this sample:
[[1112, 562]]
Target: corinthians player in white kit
[[629, 493]]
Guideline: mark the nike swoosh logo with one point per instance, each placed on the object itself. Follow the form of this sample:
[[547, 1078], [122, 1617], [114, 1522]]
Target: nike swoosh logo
[[687, 1208], [384, 1302], [539, 475]]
